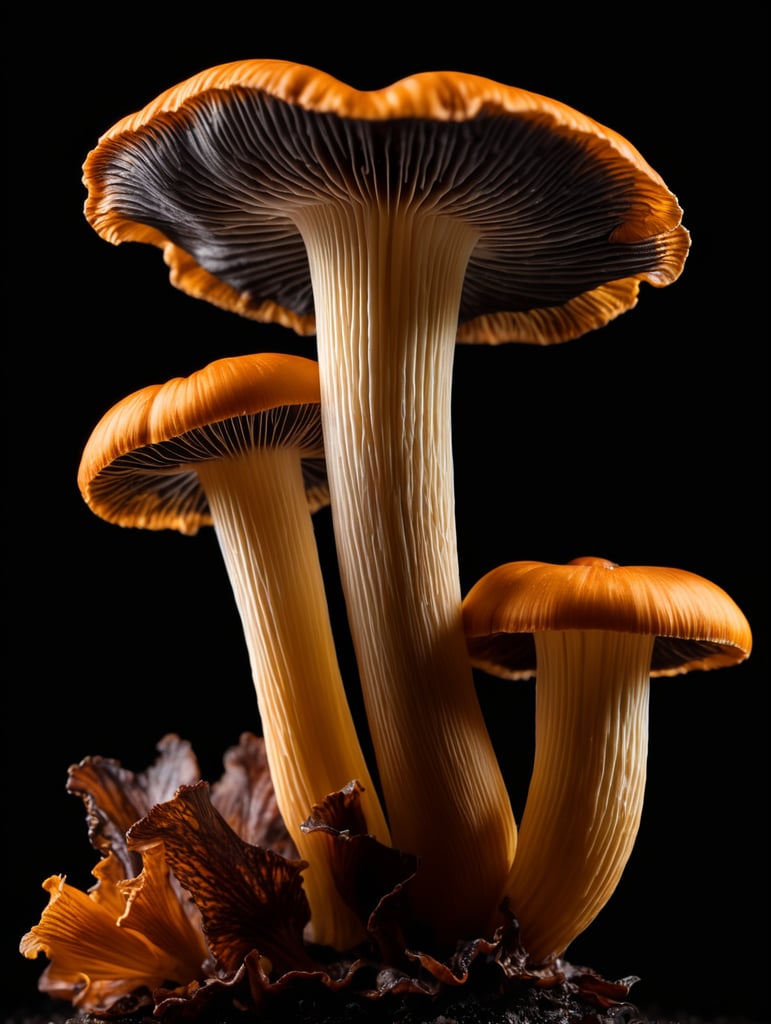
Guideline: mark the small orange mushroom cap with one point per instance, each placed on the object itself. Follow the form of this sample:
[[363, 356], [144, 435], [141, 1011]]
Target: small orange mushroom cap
[[695, 623]]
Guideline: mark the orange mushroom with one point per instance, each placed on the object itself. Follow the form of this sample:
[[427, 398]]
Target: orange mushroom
[[239, 445], [593, 634], [394, 222]]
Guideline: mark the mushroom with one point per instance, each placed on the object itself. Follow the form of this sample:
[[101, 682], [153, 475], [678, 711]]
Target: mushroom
[[238, 445], [394, 222], [593, 633]]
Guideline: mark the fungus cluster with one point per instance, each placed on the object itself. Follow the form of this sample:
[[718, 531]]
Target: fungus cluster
[[393, 224]]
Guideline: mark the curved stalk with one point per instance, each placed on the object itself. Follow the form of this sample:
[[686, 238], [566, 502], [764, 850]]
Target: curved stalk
[[585, 799], [261, 517], [387, 286]]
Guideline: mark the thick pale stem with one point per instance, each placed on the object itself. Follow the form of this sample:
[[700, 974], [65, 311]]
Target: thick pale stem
[[266, 535], [585, 799], [387, 287]]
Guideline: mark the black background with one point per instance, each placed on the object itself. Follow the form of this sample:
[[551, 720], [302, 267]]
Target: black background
[[644, 443]]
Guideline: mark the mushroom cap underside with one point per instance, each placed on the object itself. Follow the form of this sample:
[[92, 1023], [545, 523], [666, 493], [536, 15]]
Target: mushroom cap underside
[[569, 218], [696, 624], [138, 467]]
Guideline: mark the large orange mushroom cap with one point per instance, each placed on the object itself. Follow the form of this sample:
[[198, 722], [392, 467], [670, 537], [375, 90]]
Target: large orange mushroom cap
[[570, 216]]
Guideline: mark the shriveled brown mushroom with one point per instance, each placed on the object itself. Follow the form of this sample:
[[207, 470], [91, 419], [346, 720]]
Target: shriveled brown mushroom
[[593, 633], [394, 222], [239, 445]]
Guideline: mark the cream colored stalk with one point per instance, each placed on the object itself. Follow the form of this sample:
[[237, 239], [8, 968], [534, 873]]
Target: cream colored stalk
[[387, 284], [585, 799]]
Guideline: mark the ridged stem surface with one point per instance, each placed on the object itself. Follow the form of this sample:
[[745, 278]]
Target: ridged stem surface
[[265, 531], [387, 284], [583, 807]]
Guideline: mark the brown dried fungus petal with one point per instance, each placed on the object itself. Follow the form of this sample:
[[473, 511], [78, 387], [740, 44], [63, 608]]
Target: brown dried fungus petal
[[370, 877], [115, 797], [245, 797], [249, 897]]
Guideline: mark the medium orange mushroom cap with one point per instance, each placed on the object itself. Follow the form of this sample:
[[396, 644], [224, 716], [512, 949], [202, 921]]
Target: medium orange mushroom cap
[[138, 467], [695, 623], [570, 216]]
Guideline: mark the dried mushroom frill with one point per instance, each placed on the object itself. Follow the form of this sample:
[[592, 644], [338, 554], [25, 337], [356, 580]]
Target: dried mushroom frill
[[199, 903]]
